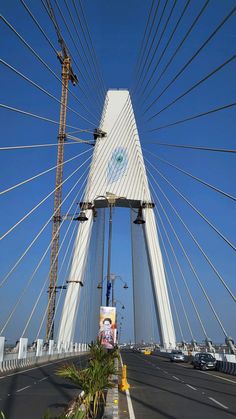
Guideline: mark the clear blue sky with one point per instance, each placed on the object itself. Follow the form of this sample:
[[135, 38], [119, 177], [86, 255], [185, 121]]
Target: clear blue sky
[[117, 30]]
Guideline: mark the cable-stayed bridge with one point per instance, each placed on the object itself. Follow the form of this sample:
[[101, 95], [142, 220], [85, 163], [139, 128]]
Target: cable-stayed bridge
[[104, 185]]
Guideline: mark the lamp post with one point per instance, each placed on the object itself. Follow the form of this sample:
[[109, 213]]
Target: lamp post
[[111, 199], [112, 287], [120, 302], [100, 287], [113, 277]]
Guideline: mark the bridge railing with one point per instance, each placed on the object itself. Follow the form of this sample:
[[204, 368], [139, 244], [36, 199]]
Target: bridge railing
[[23, 355], [226, 363], [220, 356]]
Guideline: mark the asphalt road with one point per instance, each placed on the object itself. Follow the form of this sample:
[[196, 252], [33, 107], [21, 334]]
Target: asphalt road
[[162, 389], [29, 394]]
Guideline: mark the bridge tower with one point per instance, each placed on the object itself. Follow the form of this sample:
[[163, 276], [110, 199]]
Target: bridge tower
[[118, 170]]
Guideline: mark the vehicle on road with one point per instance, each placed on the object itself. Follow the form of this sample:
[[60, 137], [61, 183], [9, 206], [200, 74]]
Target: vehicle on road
[[204, 361], [176, 356], [145, 350]]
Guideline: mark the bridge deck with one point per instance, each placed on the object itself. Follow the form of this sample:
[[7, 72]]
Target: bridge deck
[[162, 389]]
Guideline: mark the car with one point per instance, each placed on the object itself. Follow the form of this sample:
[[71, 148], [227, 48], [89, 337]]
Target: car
[[176, 356], [204, 361]]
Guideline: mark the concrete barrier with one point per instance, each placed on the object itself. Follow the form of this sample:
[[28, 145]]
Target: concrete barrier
[[223, 366], [111, 410], [15, 364], [226, 367]]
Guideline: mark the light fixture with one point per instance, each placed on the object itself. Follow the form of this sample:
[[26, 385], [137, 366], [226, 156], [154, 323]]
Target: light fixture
[[99, 286], [82, 217], [125, 286], [139, 220]]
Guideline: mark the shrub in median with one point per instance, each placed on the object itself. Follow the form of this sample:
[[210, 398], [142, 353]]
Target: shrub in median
[[93, 380]]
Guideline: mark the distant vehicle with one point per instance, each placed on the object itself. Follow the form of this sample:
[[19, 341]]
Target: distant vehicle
[[204, 361], [146, 350], [176, 356]]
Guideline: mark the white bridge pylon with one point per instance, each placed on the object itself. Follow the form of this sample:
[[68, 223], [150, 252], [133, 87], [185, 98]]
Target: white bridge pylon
[[118, 168]]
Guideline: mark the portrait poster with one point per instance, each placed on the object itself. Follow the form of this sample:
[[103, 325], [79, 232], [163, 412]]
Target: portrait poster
[[107, 327]]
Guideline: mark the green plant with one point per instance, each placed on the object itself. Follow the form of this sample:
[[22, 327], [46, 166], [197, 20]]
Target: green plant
[[95, 379], [2, 415]]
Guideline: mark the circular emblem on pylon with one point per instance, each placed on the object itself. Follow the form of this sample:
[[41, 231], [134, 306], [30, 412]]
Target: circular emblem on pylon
[[117, 164]]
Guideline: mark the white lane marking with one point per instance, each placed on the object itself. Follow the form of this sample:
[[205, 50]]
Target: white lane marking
[[176, 378], [130, 406], [193, 388], [166, 372], [204, 372], [207, 373], [129, 402], [42, 379], [21, 389], [218, 376], [220, 404]]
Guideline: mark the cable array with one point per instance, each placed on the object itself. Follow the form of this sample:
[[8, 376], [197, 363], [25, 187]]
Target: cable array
[[171, 33], [169, 47], [197, 243]]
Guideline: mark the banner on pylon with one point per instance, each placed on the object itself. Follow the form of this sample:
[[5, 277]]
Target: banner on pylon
[[107, 327]]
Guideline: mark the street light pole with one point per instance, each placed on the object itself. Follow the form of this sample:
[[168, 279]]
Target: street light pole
[[113, 278], [111, 200], [109, 257]]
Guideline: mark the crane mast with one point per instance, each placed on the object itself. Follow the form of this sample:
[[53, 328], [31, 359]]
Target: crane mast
[[67, 75]]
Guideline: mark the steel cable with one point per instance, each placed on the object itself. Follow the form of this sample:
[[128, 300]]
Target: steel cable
[[43, 62], [165, 49], [198, 245], [191, 118], [221, 235], [191, 60], [220, 67], [178, 48], [157, 46], [37, 267], [193, 269], [44, 90], [150, 47], [192, 147], [11, 108], [214, 188]]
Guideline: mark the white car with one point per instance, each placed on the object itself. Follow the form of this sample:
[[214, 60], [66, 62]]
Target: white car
[[176, 356]]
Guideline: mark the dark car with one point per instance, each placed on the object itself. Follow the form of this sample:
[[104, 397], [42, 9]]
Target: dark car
[[176, 356], [204, 361]]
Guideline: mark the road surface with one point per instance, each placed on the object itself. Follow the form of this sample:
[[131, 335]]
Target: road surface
[[29, 394], [162, 389]]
